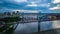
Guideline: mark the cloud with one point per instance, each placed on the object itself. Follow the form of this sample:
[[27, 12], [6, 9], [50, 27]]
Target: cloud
[[56, 1], [32, 4], [18, 1], [26, 5], [26, 11], [45, 5], [15, 1], [55, 8]]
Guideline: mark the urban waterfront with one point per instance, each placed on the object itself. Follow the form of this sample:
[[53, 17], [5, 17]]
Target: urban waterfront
[[29, 16], [26, 23]]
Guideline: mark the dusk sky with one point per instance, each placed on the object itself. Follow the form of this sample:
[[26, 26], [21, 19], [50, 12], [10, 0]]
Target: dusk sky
[[44, 6]]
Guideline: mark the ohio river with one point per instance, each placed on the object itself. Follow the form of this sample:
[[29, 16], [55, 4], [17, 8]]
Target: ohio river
[[33, 27]]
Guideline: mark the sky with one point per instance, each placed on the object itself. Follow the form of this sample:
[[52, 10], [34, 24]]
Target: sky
[[44, 6]]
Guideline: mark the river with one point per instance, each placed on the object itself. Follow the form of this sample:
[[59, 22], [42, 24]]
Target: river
[[33, 27]]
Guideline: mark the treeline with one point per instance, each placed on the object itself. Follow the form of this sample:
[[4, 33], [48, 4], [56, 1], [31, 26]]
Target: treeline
[[11, 19]]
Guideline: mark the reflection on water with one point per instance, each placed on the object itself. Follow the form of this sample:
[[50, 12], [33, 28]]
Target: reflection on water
[[33, 27], [27, 28], [46, 25]]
